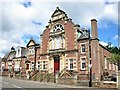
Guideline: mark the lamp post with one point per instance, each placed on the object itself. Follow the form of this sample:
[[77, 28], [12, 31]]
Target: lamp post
[[90, 63], [36, 46], [90, 81], [35, 58]]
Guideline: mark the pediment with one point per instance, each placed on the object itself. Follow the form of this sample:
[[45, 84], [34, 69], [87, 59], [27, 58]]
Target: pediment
[[31, 43], [57, 12]]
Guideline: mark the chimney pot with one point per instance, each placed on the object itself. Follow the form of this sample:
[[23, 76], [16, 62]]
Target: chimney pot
[[93, 20]]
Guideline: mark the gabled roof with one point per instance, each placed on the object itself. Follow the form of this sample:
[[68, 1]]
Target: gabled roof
[[57, 12], [84, 34], [31, 40], [83, 37], [104, 47]]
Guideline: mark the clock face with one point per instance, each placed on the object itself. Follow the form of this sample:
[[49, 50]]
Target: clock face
[[57, 28]]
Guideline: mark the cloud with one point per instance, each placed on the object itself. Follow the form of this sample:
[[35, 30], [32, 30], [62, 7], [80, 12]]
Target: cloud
[[111, 12], [115, 37], [26, 4], [36, 23], [103, 43], [23, 19]]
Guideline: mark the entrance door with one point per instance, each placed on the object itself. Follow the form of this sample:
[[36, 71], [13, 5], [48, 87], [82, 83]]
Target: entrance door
[[56, 63], [27, 66]]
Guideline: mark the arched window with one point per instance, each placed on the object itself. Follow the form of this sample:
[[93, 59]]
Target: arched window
[[56, 40], [57, 28]]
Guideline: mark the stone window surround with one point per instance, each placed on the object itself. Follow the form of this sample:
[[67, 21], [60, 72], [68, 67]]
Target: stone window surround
[[82, 48], [57, 26], [31, 50], [52, 42], [43, 65], [82, 60], [68, 63], [105, 62], [110, 67], [71, 63], [32, 65]]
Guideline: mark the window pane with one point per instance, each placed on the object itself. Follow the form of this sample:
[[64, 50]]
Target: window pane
[[43, 64], [52, 43], [57, 43], [71, 64], [83, 47], [83, 64]]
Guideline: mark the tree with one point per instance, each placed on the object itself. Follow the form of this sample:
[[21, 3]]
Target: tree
[[115, 57]]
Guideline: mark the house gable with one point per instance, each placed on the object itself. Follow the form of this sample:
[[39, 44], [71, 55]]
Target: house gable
[[31, 43]]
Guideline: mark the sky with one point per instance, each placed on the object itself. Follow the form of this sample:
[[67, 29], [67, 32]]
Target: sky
[[23, 19]]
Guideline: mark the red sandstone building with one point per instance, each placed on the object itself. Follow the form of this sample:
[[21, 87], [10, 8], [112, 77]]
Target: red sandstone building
[[67, 47], [32, 55]]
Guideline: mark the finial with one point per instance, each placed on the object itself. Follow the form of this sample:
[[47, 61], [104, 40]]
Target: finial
[[31, 38], [12, 48], [57, 8]]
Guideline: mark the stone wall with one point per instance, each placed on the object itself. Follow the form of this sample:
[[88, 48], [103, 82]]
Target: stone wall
[[66, 81]]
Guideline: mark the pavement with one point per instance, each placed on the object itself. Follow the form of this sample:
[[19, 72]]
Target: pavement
[[17, 84]]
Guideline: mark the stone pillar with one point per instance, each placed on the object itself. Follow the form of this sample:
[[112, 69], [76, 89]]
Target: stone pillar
[[75, 77], [56, 76], [118, 80]]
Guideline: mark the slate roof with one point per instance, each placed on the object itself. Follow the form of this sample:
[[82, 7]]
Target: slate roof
[[84, 35], [5, 57]]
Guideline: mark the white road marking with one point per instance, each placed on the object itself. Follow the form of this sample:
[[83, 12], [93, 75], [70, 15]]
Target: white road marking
[[13, 85], [5, 82], [16, 86]]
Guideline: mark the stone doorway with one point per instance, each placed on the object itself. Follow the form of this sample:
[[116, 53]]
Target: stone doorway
[[56, 63]]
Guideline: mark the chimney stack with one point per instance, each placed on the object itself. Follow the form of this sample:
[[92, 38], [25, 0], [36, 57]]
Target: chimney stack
[[94, 29]]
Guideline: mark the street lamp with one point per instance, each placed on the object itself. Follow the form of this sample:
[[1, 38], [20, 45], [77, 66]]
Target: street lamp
[[35, 58], [90, 81], [36, 46]]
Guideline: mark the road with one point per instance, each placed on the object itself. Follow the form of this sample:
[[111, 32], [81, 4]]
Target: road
[[17, 84]]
